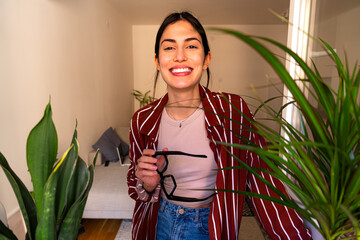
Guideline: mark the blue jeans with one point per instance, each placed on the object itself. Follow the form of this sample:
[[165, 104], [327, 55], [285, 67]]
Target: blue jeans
[[178, 223]]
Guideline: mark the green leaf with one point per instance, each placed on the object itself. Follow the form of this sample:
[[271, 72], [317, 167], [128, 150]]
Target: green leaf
[[46, 229], [353, 219], [66, 171], [320, 161], [74, 139], [66, 183], [2, 237], [77, 185], [95, 157], [25, 200], [41, 151], [6, 233], [70, 225], [80, 178]]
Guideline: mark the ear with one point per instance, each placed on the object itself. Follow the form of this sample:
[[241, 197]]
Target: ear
[[157, 62], [207, 61]]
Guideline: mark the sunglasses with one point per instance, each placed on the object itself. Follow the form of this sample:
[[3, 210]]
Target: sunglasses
[[163, 177]]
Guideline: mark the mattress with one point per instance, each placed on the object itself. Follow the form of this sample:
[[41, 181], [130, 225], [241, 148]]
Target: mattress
[[108, 197]]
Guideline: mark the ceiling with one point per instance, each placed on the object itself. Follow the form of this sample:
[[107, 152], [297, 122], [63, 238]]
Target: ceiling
[[209, 12]]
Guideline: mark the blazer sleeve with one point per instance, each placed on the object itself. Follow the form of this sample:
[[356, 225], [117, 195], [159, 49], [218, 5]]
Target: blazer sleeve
[[279, 222], [137, 145]]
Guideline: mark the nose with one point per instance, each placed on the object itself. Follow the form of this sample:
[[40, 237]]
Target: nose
[[180, 55]]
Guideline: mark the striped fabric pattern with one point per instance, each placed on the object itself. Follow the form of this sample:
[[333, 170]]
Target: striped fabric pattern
[[226, 208]]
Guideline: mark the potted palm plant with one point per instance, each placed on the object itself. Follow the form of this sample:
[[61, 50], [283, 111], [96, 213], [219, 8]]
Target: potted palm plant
[[320, 162], [143, 98], [60, 187]]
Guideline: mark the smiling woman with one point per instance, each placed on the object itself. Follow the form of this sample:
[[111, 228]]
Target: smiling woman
[[181, 61], [191, 120], [182, 40]]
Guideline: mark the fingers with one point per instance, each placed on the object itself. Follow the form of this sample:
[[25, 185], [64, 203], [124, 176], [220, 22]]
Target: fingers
[[146, 170], [146, 165], [148, 152], [160, 163]]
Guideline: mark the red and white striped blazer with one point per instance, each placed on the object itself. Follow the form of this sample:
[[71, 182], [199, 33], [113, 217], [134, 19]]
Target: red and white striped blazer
[[226, 208]]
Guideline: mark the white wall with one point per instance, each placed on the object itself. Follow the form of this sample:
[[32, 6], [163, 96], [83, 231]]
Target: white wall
[[143, 60], [341, 31], [348, 35], [234, 66], [80, 53]]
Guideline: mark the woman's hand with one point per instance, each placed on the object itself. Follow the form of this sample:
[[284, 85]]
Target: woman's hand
[[146, 169]]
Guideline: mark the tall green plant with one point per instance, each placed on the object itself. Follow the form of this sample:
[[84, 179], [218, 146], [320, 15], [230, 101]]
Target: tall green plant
[[320, 162], [60, 186]]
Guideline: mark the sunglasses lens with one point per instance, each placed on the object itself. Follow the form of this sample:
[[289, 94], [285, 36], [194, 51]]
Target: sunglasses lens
[[169, 184]]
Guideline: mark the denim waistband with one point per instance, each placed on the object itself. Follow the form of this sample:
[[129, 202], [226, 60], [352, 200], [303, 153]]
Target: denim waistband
[[181, 211]]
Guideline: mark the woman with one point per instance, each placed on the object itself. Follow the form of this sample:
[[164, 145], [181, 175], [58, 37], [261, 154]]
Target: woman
[[191, 119]]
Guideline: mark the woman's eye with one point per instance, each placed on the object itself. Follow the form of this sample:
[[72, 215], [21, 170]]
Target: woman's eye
[[168, 48], [192, 47]]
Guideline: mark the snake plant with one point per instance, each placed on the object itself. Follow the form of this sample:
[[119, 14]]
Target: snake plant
[[320, 161], [60, 187]]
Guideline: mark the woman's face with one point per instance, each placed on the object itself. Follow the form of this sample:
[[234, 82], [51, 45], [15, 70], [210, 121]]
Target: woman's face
[[181, 56]]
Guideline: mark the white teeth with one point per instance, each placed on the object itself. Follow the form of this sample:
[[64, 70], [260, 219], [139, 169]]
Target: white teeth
[[180, 70]]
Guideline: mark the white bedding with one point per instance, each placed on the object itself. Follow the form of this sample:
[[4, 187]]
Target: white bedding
[[108, 197]]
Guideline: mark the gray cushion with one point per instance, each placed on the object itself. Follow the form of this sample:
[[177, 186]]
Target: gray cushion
[[108, 145], [123, 150]]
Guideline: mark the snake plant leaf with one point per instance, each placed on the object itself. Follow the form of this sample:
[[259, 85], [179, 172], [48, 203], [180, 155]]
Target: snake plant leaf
[[41, 151], [46, 229], [74, 138], [70, 194], [2, 237], [6, 233], [78, 179], [77, 184], [25, 200], [66, 171], [95, 157], [71, 222]]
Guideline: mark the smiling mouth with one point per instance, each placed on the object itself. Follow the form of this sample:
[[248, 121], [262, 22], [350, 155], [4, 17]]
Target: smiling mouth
[[181, 70]]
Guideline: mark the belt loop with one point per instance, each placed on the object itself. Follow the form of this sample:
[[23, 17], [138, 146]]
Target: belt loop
[[162, 204], [196, 215]]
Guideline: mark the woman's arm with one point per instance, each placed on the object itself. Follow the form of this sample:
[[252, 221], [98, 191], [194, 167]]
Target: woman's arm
[[142, 178]]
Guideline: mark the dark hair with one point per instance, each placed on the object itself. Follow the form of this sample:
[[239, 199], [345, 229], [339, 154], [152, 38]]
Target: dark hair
[[173, 18]]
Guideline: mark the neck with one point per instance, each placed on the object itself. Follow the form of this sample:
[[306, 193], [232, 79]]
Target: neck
[[181, 105]]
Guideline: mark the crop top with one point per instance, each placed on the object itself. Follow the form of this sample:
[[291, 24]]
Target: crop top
[[192, 174]]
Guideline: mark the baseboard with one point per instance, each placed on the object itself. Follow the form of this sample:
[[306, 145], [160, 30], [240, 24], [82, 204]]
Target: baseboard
[[17, 224], [13, 212]]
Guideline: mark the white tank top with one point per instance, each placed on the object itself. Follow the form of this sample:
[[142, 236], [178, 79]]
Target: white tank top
[[190, 136]]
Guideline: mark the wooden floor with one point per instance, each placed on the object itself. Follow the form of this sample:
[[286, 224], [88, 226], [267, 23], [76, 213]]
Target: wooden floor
[[106, 229], [100, 229]]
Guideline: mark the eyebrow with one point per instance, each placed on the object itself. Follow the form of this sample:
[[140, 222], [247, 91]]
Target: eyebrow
[[173, 40]]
